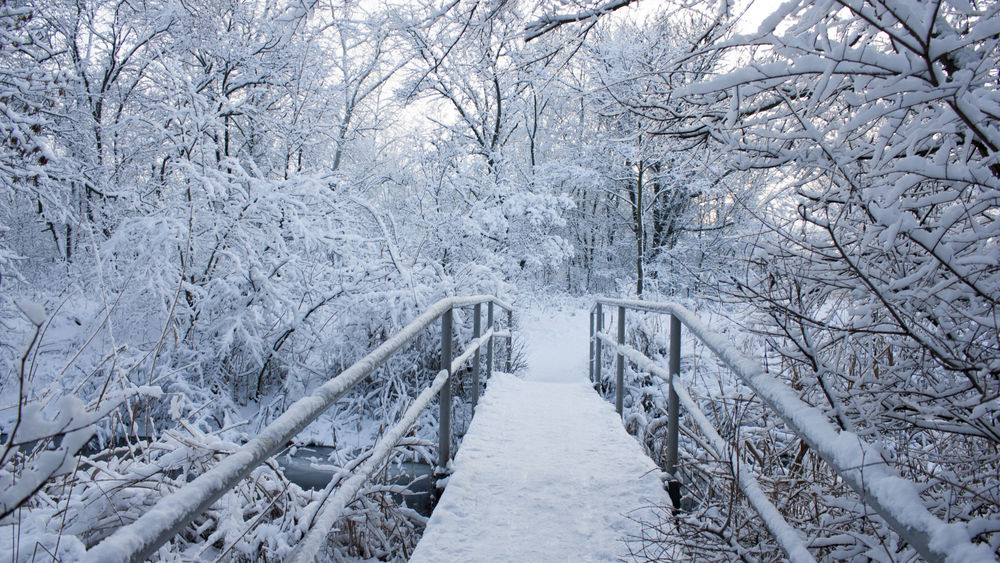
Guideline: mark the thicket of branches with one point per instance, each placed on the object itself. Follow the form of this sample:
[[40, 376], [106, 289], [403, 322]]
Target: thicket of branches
[[199, 225], [208, 209], [867, 262]]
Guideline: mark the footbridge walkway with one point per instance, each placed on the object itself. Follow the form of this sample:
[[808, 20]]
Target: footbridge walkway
[[546, 471]]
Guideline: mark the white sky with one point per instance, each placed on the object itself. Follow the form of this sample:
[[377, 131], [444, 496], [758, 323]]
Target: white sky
[[756, 11]]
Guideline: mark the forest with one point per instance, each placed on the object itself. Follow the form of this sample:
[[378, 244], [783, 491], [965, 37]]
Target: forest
[[210, 207]]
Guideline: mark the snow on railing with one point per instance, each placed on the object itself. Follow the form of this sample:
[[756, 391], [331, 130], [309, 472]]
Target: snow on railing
[[895, 499], [140, 539], [788, 538], [316, 538]]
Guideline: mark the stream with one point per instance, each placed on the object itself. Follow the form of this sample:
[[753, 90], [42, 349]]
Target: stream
[[304, 468]]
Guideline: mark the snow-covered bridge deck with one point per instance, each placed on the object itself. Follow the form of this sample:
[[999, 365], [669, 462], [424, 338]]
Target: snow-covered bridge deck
[[546, 471]]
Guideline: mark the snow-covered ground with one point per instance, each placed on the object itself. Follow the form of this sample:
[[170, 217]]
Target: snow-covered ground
[[546, 471], [555, 339]]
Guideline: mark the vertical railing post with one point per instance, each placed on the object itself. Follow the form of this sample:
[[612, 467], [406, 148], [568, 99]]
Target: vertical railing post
[[510, 340], [444, 434], [599, 320], [620, 363], [489, 345], [674, 485], [477, 331], [590, 346]]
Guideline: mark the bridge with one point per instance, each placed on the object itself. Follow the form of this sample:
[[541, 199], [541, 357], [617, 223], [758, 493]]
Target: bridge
[[546, 471]]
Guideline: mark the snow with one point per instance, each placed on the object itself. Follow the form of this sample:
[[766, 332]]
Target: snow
[[546, 471], [555, 343], [857, 462], [332, 509], [34, 311], [173, 511], [262, 208], [788, 538]]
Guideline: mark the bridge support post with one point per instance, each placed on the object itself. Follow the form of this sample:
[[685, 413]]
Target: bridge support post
[[590, 346], [674, 485], [477, 331], [444, 432], [489, 345], [597, 345], [510, 340], [620, 364]]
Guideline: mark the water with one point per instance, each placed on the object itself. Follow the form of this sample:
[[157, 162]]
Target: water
[[414, 475], [298, 468]]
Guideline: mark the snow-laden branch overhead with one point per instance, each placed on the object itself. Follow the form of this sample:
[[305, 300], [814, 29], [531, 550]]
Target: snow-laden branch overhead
[[545, 24]]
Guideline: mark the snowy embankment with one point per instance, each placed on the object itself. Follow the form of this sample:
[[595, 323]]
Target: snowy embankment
[[546, 471]]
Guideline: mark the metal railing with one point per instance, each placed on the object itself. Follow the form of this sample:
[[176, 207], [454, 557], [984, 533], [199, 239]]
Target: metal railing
[[858, 463], [140, 539]]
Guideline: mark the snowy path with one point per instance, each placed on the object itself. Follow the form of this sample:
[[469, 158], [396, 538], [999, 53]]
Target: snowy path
[[546, 471]]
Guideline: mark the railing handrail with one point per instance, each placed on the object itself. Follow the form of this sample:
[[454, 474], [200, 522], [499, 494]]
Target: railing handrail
[[787, 537], [332, 509], [894, 498], [141, 538]]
